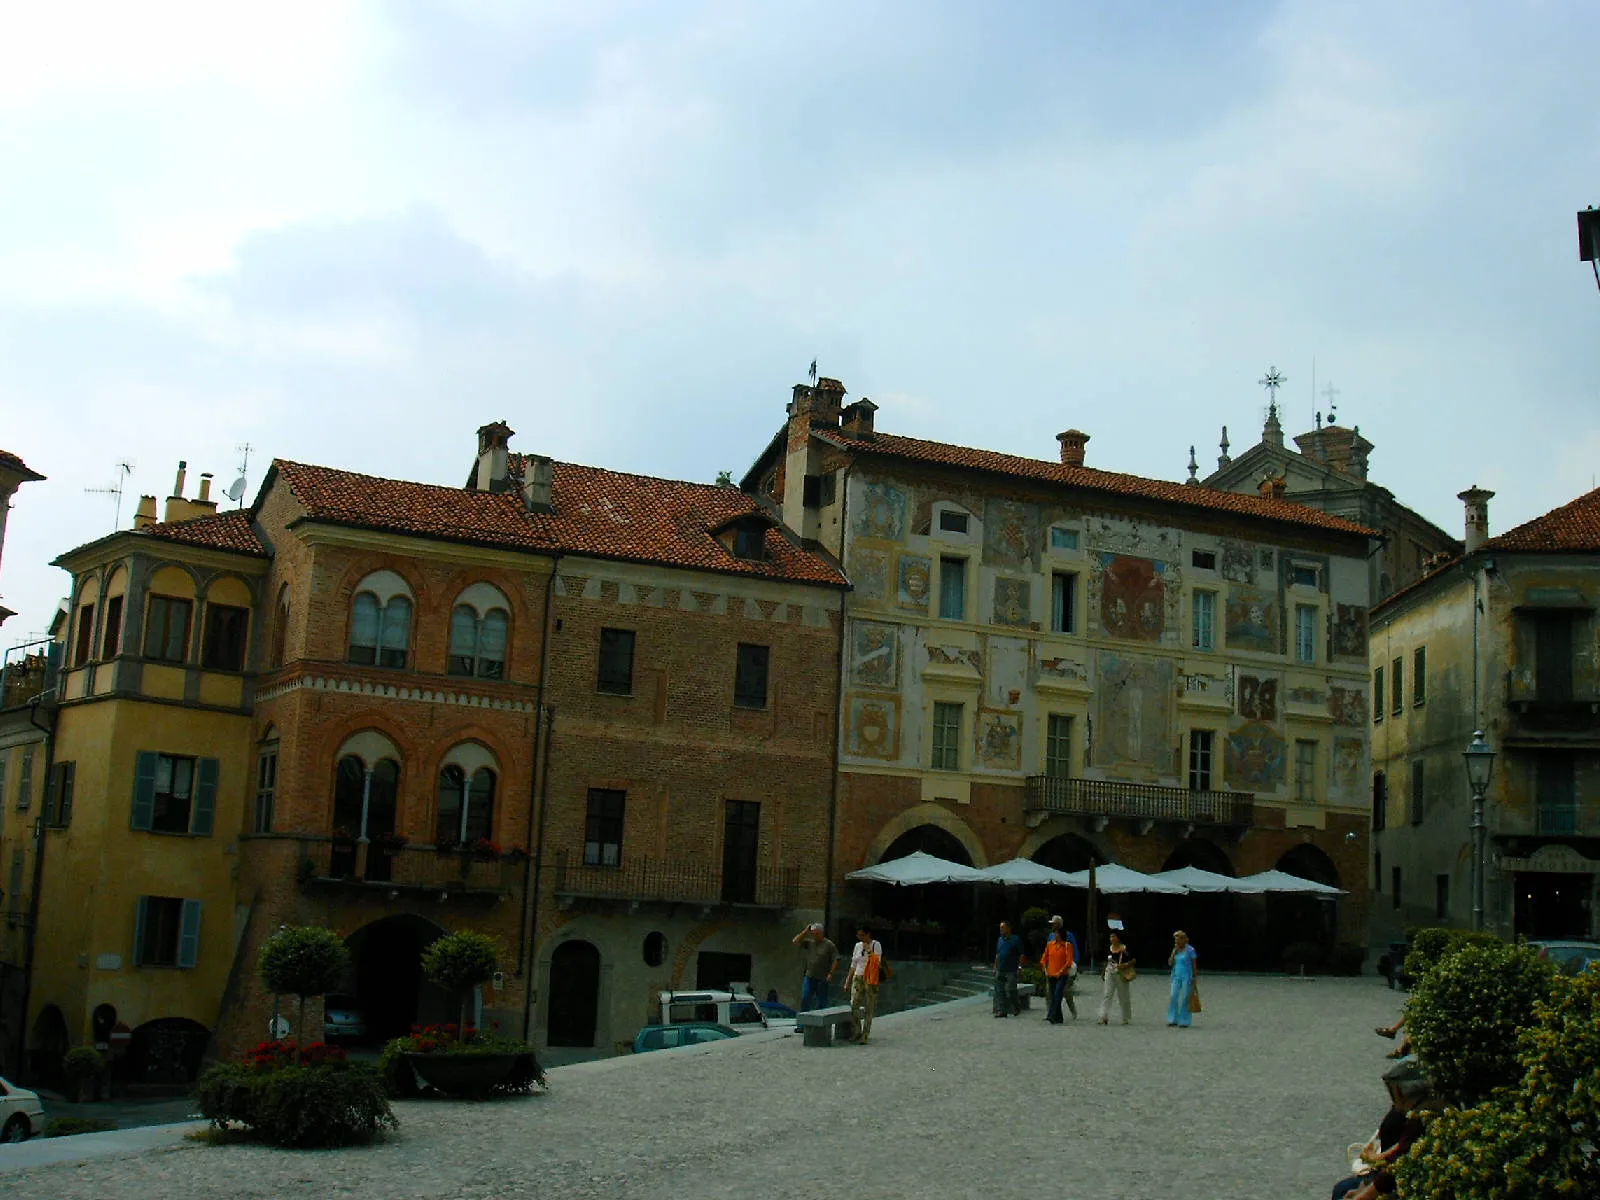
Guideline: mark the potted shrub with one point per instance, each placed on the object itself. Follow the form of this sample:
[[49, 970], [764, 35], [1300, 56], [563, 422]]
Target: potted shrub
[[303, 961], [83, 1066], [287, 1096]]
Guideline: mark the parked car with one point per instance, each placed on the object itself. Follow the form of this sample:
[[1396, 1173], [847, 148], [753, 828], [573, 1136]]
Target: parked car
[[1570, 957], [689, 1033], [342, 1019], [21, 1114], [737, 1010]]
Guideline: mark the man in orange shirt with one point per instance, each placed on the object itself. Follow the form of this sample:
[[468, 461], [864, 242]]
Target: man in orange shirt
[[1058, 959]]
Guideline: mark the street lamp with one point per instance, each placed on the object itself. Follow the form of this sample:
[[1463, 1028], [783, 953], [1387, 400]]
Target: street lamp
[[1480, 765]]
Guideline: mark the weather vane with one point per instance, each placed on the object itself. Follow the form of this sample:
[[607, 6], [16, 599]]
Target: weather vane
[[813, 370], [1272, 381], [1331, 394]]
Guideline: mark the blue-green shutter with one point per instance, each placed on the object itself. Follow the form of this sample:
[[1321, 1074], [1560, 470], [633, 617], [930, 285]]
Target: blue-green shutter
[[189, 934], [69, 773], [138, 932], [144, 789], [205, 795]]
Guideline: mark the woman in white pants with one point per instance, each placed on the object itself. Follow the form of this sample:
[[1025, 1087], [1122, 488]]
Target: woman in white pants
[[1117, 957]]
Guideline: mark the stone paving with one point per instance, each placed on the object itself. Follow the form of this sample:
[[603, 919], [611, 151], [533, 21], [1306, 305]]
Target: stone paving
[[1259, 1099]]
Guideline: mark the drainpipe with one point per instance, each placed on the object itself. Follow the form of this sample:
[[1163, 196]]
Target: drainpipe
[[538, 792], [838, 716], [31, 931]]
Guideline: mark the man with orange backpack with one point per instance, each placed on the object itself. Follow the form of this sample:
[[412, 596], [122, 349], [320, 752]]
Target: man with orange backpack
[[1058, 961], [861, 983]]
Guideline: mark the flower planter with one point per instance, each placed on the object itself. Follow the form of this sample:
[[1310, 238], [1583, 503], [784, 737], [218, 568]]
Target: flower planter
[[463, 1074]]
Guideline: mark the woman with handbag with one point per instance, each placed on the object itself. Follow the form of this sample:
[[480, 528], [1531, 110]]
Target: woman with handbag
[[1119, 974], [1185, 995]]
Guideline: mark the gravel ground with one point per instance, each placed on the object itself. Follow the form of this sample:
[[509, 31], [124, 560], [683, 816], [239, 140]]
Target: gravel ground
[[1259, 1099]]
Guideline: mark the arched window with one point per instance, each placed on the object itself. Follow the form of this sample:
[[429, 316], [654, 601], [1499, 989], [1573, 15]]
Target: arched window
[[479, 629], [280, 629], [380, 621], [467, 783]]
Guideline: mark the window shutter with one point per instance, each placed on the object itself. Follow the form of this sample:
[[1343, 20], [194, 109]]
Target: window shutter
[[144, 789], [189, 934], [64, 800], [138, 931], [51, 791], [463, 632], [397, 624], [205, 796]]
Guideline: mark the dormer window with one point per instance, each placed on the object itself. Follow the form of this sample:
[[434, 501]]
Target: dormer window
[[750, 540], [953, 522]]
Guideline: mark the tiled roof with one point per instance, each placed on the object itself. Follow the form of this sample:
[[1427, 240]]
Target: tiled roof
[[609, 514], [15, 463], [219, 531], [1092, 480], [1572, 527]]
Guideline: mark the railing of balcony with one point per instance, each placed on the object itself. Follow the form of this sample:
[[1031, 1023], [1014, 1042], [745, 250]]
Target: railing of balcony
[[1555, 708], [1115, 798], [411, 867], [1557, 819], [675, 882]]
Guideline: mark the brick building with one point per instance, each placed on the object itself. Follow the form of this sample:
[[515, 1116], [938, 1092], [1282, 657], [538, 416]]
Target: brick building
[[1047, 660]]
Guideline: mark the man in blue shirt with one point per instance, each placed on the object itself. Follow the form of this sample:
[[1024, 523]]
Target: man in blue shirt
[[1007, 961]]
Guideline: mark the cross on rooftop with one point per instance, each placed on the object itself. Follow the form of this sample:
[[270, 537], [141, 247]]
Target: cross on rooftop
[[1272, 381]]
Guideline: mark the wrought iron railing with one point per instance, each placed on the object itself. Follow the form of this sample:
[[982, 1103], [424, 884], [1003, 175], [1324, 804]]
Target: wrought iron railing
[[1115, 798], [412, 867], [1564, 709], [1557, 819], [675, 882]]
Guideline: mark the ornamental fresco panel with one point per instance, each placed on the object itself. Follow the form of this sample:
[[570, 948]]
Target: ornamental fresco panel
[[1238, 563], [1348, 776], [1011, 601], [1349, 635], [1133, 602], [872, 727], [1255, 758], [1010, 533], [1134, 711], [882, 513], [999, 738], [915, 581], [1348, 707], [874, 654], [1258, 697], [1251, 621], [869, 572]]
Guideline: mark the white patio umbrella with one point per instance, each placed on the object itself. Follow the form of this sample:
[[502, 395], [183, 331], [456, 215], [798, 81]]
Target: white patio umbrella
[[1115, 879], [1207, 882], [1283, 882], [1024, 872], [917, 870]]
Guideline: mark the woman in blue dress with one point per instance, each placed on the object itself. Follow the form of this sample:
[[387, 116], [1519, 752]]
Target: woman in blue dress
[[1181, 960]]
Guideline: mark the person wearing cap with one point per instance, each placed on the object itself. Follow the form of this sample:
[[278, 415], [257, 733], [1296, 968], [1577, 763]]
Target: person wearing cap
[[1057, 961], [822, 959]]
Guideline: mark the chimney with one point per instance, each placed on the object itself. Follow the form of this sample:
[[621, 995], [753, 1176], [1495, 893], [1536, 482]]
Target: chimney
[[203, 504], [858, 419], [538, 481], [1273, 487], [145, 515], [1476, 500], [177, 508], [1072, 443], [494, 469], [205, 486]]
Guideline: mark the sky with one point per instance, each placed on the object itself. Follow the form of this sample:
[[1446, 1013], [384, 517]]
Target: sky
[[349, 233]]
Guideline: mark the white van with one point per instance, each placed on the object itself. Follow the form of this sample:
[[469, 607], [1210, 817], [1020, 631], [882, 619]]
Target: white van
[[738, 1010]]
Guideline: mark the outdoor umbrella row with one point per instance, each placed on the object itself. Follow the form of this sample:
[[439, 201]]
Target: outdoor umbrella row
[[919, 869]]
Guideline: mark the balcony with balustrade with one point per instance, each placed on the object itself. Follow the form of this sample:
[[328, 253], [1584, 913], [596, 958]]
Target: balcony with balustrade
[[1555, 709], [1115, 798], [482, 874], [647, 880]]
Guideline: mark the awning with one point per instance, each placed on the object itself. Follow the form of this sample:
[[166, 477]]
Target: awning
[[1282, 881], [1207, 882], [1024, 872], [917, 870], [1114, 879]]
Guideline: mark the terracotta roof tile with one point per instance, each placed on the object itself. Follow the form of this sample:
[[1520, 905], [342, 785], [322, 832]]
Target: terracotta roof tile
[[220, 531], [15, 462], [609, 514], [1092, 480], [1574, 527]]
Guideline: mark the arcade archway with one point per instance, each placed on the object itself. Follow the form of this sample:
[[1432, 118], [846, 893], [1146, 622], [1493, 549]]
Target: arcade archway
[[386, 983]]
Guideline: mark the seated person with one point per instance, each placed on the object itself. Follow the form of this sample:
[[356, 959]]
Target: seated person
[[1401, 1125]]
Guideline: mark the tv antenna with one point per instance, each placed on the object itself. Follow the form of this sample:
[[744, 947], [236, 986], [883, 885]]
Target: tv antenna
[[124, 469], [235, 490]]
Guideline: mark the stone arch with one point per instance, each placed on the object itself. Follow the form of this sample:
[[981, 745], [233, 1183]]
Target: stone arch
[[1202, 853], [1061, 827], [385, 584], [1070, 850], [386, 977], [1310, 862], [231, 589], [926, 814], [371, 746], [178, 580]]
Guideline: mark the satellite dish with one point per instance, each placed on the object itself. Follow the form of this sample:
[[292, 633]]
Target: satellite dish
[[235, 490]]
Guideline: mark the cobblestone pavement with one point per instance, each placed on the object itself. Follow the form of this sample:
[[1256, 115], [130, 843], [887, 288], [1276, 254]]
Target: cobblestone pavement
[[1259, 1099]]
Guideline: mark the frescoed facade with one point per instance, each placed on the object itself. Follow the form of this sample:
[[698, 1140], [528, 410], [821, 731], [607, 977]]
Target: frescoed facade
[[1076, 662]]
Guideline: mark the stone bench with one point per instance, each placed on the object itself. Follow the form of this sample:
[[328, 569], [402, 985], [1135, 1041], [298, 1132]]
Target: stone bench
[[1024, 995], [820, 1026]]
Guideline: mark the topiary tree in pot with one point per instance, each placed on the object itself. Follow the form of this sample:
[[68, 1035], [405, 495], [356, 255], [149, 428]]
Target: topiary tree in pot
[[461, 961], [303, 961]]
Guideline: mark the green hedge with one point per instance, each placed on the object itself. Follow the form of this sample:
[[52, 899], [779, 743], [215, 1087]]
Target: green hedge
[[332, 1104], [67, 1126], [401, 1081]]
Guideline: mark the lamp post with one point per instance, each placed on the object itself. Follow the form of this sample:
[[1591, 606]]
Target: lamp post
[[1480, 764]]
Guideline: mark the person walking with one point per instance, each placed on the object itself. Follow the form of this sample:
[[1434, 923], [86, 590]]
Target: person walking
[[1182, 962], [861, 983], [822, 959], [1119, 972], [1058, 961], [1007, 962]]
